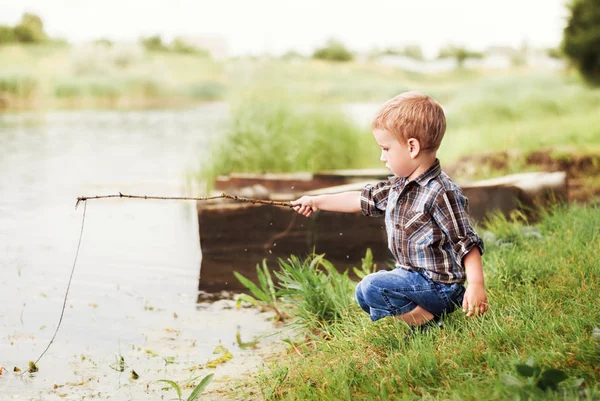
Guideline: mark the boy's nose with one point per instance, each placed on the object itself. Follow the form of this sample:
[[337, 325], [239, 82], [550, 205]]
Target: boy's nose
[[382, 158]]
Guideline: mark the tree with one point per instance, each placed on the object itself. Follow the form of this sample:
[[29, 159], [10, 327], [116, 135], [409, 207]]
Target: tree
[[153, 43], [581, 38], [30, 29], [333, 51]]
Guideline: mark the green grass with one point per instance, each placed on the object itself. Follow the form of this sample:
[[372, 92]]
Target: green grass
[[284, 137], [72, 77], [522, 113], [543, 286], [272, 130]]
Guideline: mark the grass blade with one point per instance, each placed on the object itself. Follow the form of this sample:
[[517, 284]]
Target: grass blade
[[200, 387], [174, 385]]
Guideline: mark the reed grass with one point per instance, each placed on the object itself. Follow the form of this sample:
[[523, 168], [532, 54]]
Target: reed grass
[[285, 137]]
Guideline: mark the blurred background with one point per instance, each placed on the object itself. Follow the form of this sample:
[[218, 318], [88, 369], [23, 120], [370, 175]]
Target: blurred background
[[159, 97]]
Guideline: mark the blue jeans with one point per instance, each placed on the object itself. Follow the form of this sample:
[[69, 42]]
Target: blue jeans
[[396, 292]]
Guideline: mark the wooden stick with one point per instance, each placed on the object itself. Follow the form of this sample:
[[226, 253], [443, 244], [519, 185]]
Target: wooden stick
[[202, 198]]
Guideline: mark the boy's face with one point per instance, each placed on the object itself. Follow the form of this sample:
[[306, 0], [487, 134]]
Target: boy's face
[[396, 155]]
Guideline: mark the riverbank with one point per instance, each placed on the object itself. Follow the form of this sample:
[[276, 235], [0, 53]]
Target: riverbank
[[539, 340]]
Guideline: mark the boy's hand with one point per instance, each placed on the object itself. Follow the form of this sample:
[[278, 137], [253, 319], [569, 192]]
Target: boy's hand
[[305, 205], [475, 300]]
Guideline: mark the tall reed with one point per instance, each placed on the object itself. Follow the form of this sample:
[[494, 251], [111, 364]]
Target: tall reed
[[284, 137]]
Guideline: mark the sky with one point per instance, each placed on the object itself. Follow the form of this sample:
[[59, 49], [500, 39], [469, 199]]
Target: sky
[[276, 26]]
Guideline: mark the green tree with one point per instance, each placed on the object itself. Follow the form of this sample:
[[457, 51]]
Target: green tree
[[153, 43], [30, 29], [581, 38], [333, 51]]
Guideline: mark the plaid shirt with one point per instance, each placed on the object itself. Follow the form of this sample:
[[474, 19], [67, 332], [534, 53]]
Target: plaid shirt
[[427, 223]]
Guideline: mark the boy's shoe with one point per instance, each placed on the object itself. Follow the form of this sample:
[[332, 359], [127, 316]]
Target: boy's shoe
[[436, 322]]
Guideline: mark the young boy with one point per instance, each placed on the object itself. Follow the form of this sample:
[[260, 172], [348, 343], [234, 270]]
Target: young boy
[[428, 228]]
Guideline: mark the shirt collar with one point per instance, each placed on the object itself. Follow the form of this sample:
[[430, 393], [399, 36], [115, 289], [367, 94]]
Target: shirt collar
[[429, 174], [423, 179]]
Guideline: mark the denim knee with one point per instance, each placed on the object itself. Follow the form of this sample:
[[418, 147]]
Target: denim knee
[[396, 292]]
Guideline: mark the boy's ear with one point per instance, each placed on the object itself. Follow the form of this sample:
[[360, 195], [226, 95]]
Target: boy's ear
[[414, 147]]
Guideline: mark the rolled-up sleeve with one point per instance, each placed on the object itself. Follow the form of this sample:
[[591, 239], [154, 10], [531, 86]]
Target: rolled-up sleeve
[[373, 198], [450, 213]]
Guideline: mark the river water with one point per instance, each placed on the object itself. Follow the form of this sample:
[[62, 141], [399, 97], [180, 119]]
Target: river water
[[134, 290]]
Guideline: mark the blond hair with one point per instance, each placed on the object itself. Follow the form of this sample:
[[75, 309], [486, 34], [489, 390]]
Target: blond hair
[[413, 115]]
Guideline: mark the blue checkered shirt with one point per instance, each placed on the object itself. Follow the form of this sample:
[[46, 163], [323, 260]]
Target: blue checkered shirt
[[427, 223]]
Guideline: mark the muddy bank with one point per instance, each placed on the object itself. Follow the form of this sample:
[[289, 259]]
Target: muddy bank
[[582, 169]]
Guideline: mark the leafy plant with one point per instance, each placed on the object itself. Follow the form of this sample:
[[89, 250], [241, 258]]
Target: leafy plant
[[536, 381], [264, 295], [366, 266], [196, 392], [319, 293]]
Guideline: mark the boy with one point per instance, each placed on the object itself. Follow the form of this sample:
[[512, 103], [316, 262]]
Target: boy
[[428, 229]]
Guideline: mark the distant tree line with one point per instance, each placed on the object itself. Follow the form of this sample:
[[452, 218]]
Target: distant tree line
[[29, 30], [155, 43]]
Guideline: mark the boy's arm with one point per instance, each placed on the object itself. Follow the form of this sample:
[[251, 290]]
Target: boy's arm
[[347, 202], [475, 300], [450, 214]]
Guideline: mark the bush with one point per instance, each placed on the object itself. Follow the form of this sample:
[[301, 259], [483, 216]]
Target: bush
[[30, 30], [18, 86], [333, 51], [7, 34], [179, 45], [153, 44], [581, 38]]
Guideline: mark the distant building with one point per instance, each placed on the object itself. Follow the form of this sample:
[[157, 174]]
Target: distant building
[[215, 45]]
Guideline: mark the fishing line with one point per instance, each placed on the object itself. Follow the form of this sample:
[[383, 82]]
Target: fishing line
[[62, 312], [84, 199]]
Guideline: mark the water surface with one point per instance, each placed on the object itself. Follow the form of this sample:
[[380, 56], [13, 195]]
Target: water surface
[[134, 288]]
